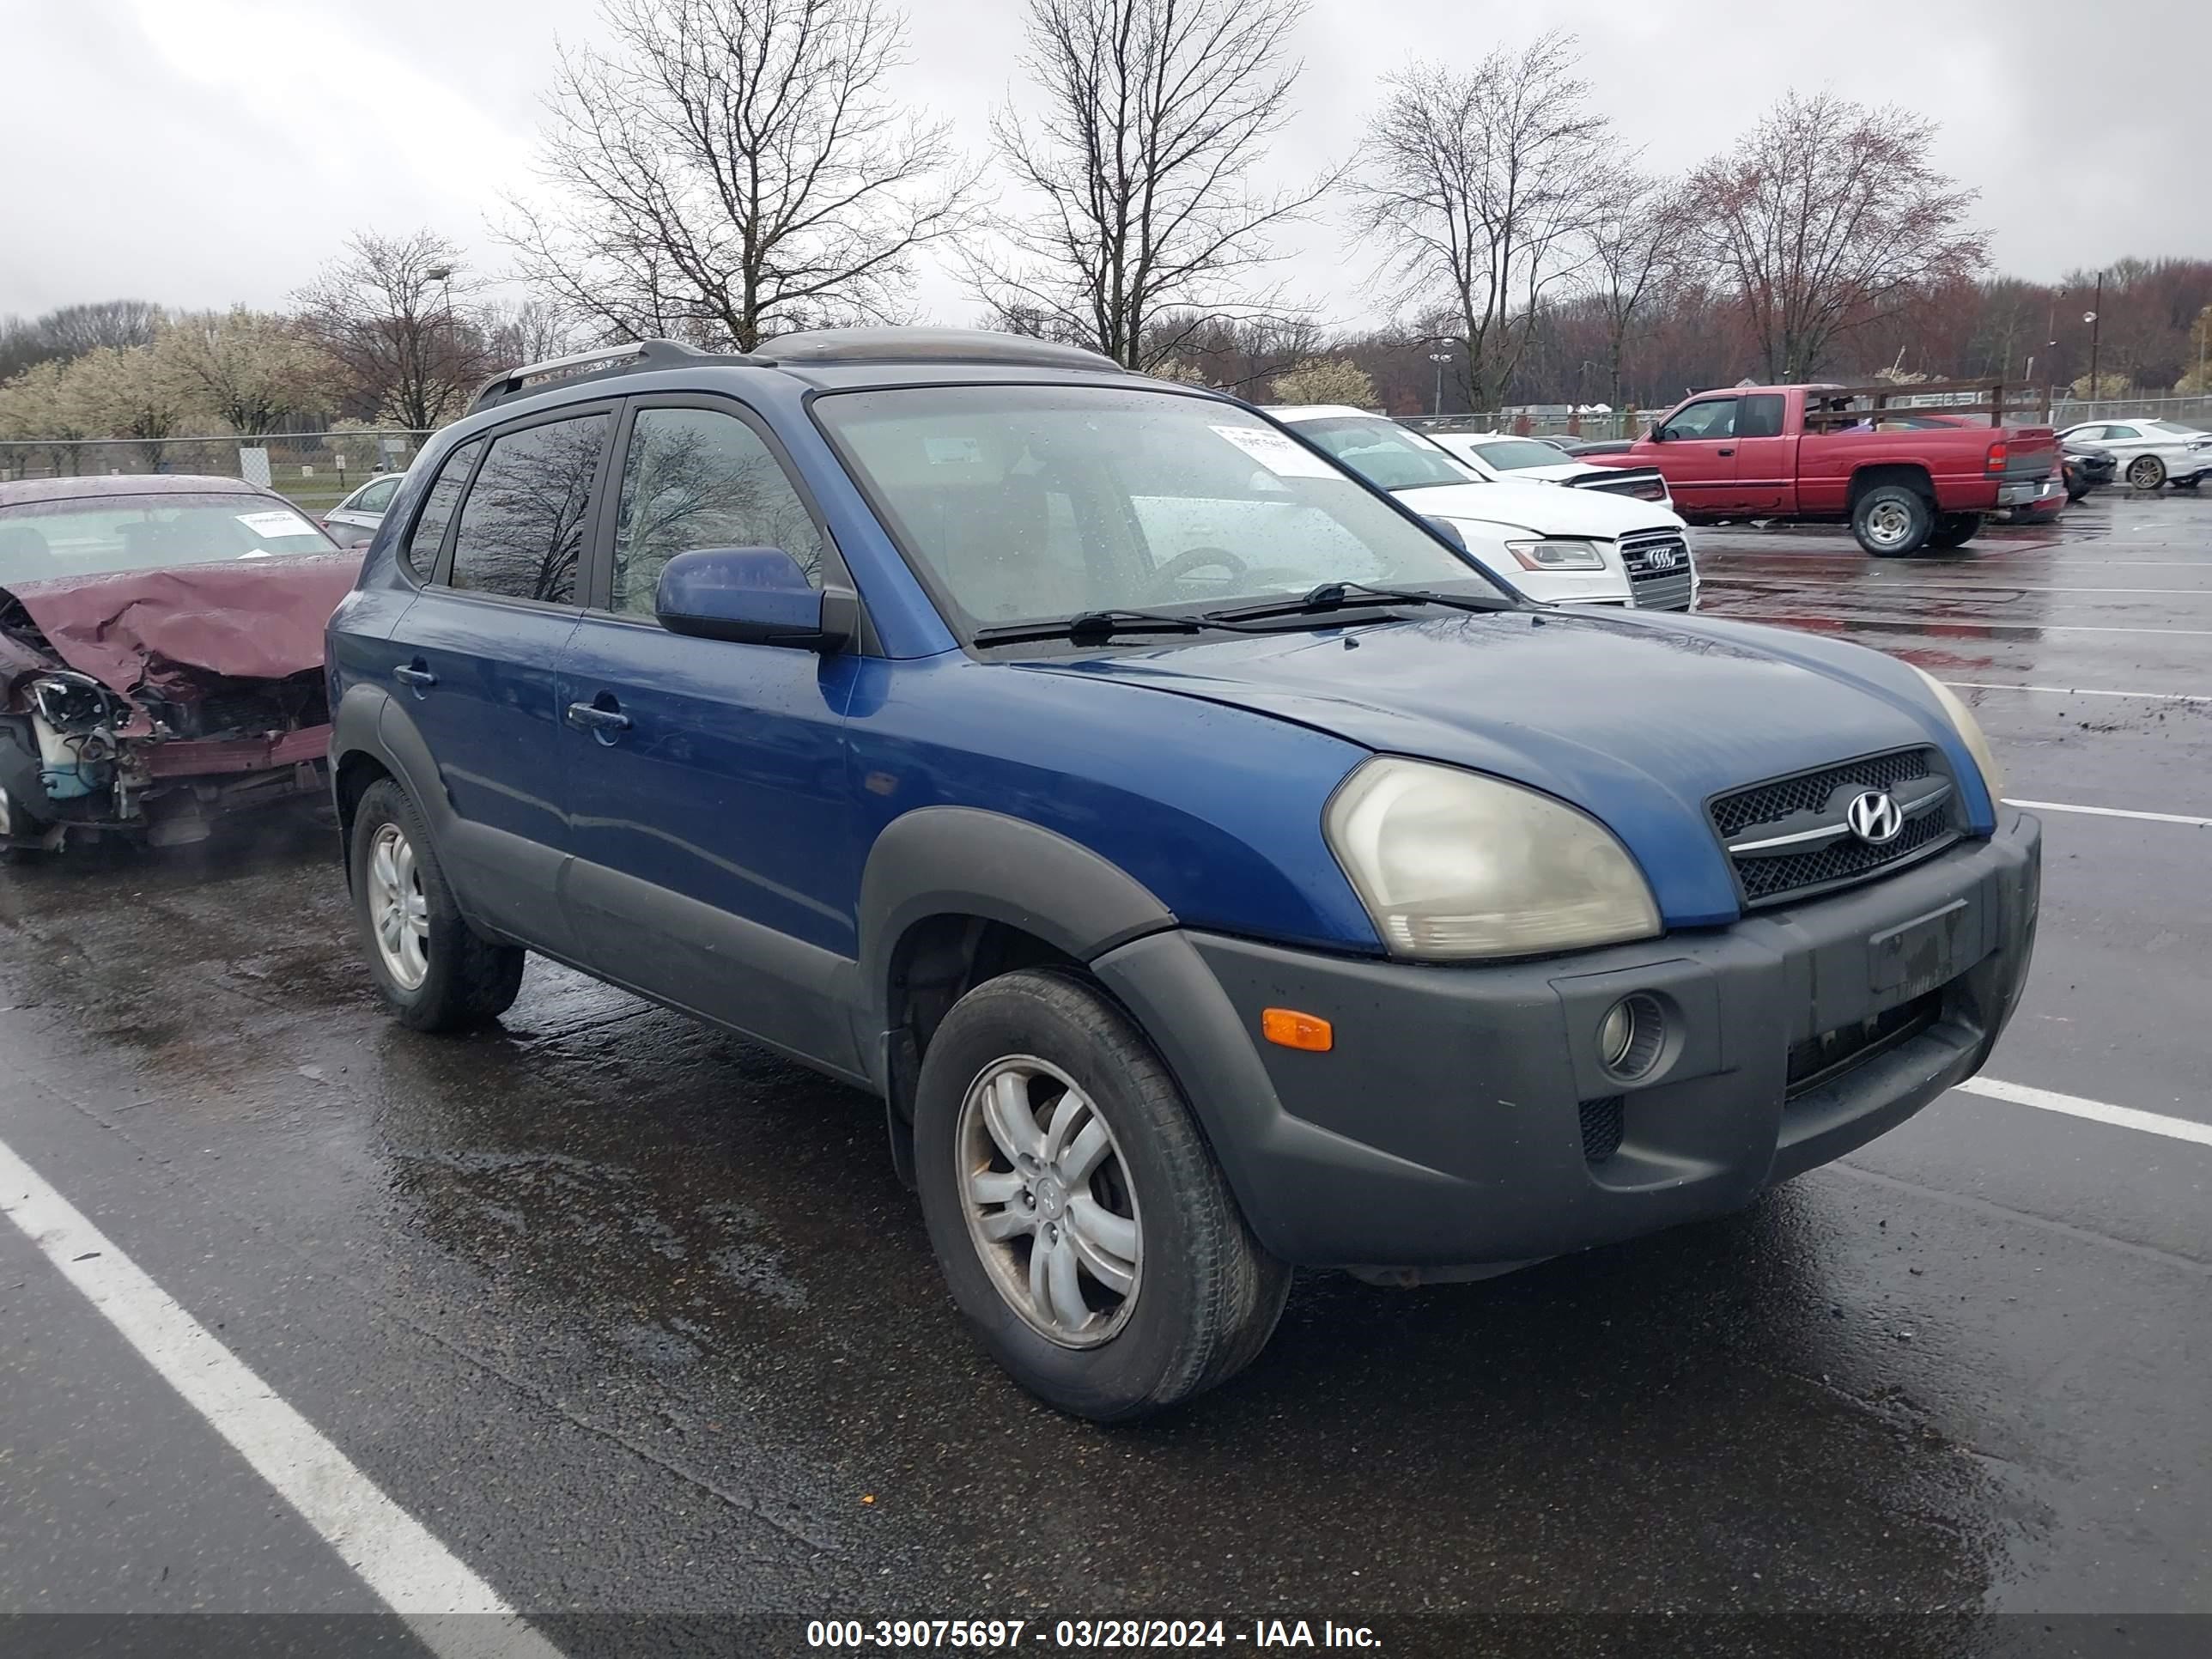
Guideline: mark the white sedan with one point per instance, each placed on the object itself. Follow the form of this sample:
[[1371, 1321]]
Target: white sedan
[[2151, 454], [1561, 546], [1495, 455]]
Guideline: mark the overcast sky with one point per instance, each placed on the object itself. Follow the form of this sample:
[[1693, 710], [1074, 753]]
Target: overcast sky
[[205, 152]]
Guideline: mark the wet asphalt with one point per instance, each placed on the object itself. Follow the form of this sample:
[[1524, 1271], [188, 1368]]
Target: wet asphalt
[[638, 1321]]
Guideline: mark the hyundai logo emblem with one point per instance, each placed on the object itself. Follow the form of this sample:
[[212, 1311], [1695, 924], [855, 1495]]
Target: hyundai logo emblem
[[1874, 818]]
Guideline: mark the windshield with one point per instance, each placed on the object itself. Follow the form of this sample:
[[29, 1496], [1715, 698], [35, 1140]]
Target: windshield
[[91, 535], [1019, 503], [1510, 454], [1387, 455]]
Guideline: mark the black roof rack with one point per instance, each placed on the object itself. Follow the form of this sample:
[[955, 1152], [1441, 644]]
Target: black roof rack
[[626, 358], [818, 347], [814, 348]]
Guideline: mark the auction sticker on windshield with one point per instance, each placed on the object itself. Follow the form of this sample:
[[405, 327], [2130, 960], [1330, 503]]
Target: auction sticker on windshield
[[276, 524], [1278, 453]]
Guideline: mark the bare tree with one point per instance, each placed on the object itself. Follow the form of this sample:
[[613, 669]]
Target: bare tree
[[1640, 243], [733, 170], [1827, 215], [1479, 187], [1156, 114], [71, 330], [528, 331], [396, 317]]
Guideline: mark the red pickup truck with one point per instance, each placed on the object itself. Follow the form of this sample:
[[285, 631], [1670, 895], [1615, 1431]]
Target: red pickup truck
[[1855, 455]]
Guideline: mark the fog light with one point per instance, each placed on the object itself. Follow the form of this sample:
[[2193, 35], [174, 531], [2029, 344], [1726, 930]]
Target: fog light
[[1630, 1036]]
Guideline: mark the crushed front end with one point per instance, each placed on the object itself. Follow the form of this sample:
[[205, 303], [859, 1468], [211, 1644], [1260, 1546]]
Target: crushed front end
[[78, 757]]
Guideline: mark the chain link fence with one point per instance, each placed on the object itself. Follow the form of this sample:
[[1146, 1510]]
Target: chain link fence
[[314, 469]]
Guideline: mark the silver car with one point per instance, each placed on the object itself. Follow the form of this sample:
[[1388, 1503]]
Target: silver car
[[354, 520]]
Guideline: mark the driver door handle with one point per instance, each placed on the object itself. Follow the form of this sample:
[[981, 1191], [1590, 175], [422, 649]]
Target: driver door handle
[[600, 722], [1724, 452], [409, 675]]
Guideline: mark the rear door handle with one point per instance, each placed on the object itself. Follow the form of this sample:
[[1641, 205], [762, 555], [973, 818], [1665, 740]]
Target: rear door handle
[[603, 724], [1724, 452], [420, 678]]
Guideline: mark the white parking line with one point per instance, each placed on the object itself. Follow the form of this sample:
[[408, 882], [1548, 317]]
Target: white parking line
[[2110, 812], [2125, 1117], [394, 1553], [2078, 691]]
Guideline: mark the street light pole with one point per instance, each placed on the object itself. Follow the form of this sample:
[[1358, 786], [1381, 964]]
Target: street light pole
[[1439, 358], [2096, 324]]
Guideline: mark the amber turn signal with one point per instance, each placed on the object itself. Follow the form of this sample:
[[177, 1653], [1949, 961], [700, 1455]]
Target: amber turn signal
[[1296, 1030]]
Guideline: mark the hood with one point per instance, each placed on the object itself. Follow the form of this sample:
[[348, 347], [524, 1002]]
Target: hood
[[242, 619], [1635, 719], [1540, 509]]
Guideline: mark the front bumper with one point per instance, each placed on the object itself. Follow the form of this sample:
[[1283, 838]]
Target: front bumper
[[1446, 1126]]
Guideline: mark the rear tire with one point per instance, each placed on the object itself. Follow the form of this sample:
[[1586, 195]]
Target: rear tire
[[2145, 473], [1955, 529], [1017, 1058], [1891, 521], [436, 972]]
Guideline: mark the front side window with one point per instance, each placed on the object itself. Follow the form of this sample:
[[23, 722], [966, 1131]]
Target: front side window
[[428, 534], [1713, 418], [91, 535], [695, 478], [1387, 455], [374, 498], [1019, 503], [522, 528]]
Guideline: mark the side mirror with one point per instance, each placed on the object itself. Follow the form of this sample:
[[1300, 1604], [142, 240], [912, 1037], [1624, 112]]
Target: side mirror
[[1657, 435], [754, 595], [1448, 530]]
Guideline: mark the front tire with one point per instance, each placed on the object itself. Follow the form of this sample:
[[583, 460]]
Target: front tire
[[2145, 473], [1891, 521], [436, 972], [1955, 530], [1081, 1222]]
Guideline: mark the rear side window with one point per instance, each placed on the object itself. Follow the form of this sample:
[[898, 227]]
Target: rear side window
[[522, 528], [694, 479], [1760, 416], [428, 534]]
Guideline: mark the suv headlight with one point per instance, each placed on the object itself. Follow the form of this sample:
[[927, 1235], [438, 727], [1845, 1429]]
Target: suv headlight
[[1969, 733], [1550, 555], [1451, 864]]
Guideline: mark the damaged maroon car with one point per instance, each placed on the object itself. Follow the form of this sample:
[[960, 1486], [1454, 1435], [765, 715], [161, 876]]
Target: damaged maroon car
[[160, 655]]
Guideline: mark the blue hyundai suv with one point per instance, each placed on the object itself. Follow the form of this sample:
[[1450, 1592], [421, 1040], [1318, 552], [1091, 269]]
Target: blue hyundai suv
[[1212, 869]]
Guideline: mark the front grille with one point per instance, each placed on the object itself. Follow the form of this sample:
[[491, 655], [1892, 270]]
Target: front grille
[[1809, 791], [1844, 861], [1823, 1058], [1601, 1127], [1659, 569], [1785, 804]]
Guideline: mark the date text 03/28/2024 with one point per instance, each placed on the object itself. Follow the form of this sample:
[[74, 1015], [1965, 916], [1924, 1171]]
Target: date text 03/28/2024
[[999, 1635]]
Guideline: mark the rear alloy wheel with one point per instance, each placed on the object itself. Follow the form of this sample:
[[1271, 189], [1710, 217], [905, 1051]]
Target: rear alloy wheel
[[436, 972], [1082, 1223], [1890, 521], [1955, 529], [2145, 473]]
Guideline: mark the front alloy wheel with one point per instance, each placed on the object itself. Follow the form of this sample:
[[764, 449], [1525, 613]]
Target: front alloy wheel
[[2145, 473], [1049, 1203]]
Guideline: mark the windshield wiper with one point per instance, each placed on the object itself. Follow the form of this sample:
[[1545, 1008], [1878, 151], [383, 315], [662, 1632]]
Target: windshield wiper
[[1095, 627], [1351, 596]]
